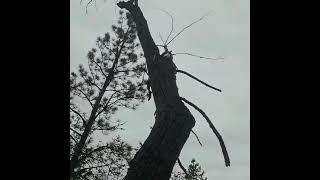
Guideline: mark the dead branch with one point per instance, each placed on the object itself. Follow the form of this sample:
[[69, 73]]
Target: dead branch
[[88, 5], [171, 31], [181, 166], [183, 72], [188, 27], [197, 137], [161, 38], [215, 131], [198, 56]]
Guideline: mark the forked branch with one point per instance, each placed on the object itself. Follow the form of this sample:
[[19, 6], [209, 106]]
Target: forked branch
[[215, 131], [188, 27], [171, 31]]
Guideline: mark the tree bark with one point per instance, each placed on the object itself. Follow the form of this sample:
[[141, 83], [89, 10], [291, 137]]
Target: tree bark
[[173, 121]]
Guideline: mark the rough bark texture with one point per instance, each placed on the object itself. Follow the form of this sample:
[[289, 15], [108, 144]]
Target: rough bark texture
[[173, 121]]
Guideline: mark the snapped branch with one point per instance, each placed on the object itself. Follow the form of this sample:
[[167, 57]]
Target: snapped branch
[[215, 131], [183, 72], [197, 137]]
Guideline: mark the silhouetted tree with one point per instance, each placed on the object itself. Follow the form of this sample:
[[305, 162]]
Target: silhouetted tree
[[194, 172], [173, 120], [113, 79], [105, 161]]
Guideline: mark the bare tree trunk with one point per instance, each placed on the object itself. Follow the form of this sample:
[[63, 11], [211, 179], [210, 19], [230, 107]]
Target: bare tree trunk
[[173, 121]]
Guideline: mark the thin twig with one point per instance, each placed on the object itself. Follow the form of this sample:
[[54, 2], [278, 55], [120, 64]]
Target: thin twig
[[161, 39], [85, 96], [188, 27], [181, 166], [106, 105], [75, 131], [74, 139], [88, 5], [198, 56], [183, 72], [197, 137], [215, 131], [171, 24], [76, 112], [160, 45]]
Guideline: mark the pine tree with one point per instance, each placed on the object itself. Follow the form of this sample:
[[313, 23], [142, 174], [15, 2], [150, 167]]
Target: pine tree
[[113, 79], [194, 172], [173, 121]]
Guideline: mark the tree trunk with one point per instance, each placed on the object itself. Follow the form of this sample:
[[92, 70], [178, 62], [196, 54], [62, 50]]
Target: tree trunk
[[173, 121]]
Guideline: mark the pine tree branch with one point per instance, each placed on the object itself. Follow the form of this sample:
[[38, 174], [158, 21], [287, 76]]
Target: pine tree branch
[[77, 151], [182, 167], [112, 128], [215, 131], [94, 167], [93, 76], [85, 96], [75, 141], [102, 58], [106, 105], [82, 118], [75, 131], [196, 137], [183, 72]]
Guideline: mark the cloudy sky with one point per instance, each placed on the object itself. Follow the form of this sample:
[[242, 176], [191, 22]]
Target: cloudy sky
[[223, 33]]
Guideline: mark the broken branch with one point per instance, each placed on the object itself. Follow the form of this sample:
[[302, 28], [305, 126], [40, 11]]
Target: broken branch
[[183, 72], [215, 131], [196, 137]]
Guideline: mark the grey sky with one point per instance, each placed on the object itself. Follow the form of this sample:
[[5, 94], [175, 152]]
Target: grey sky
[[224, 33]]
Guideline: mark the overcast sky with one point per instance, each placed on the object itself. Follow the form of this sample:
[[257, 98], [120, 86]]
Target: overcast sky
[[224, 33]]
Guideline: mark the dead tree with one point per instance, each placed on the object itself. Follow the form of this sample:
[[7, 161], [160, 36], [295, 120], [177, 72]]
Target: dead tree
[[173, 120]]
